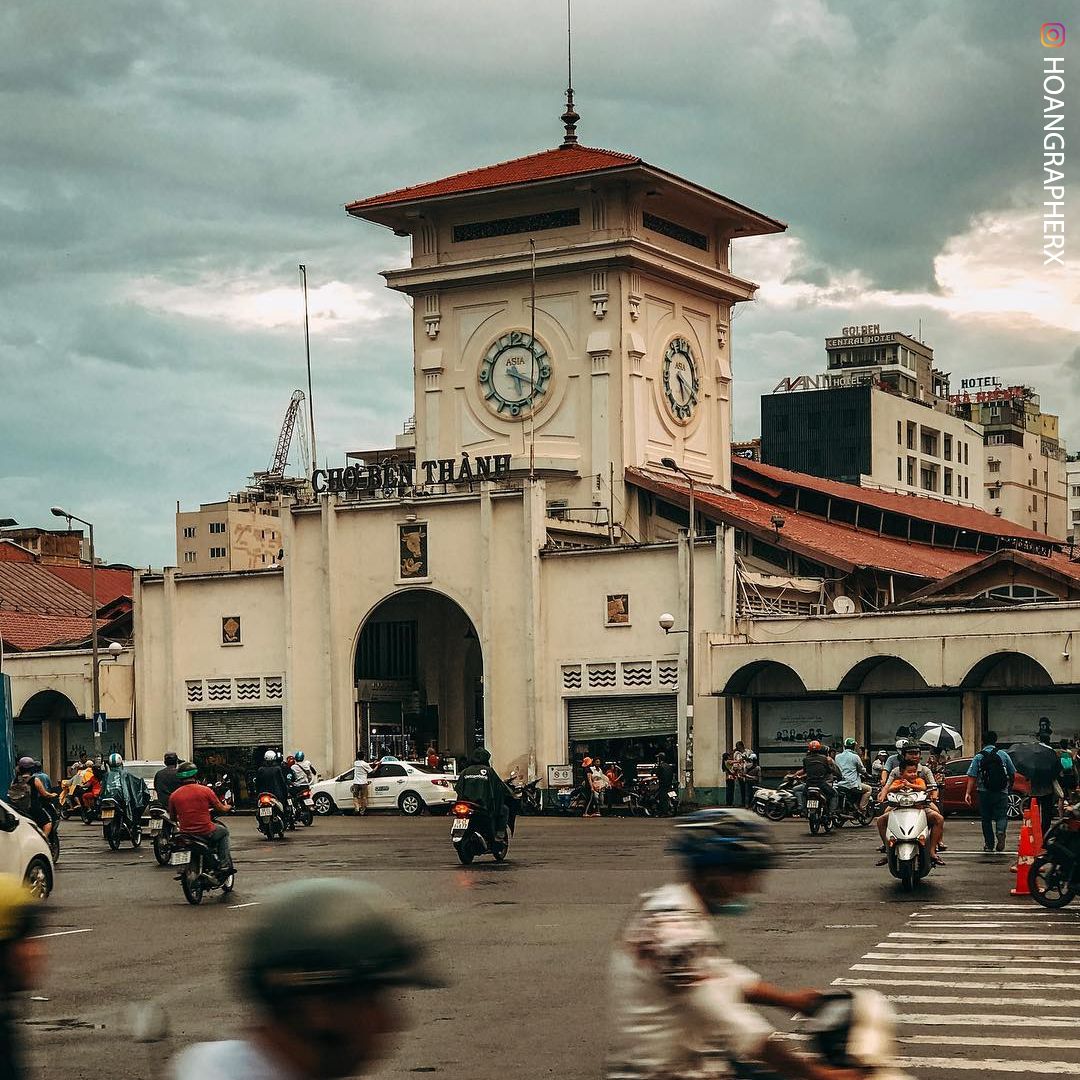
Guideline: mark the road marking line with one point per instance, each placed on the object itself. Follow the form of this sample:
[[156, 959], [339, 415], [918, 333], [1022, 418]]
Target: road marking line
[[852, 926], [973, 907], [60, 933], [1009, 985], [1045, 1044], [920, 970], [932, 999], [977, 960], [1018, 944], [985, 925], [988, 937], [938, 1019], [991, 1065], [250, 903]]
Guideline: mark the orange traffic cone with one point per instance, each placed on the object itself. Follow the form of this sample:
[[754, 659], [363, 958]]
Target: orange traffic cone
[[1025, 856], [1036, 826]]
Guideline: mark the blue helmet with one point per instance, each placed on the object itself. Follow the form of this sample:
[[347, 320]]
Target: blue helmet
[[299, 755], [723, 837], [115, 761]]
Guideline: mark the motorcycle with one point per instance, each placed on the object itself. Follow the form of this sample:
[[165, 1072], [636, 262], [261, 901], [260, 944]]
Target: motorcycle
[[1054, 877], [200, 873], [303, 806], [657, 801], [531, 801], [776, 803], [116, 826], [162, 829], [847, 809], [907, 836], [818, 815], [270, 817], [473, 832]]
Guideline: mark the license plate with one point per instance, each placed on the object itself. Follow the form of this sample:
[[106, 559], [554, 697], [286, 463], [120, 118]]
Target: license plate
[[266, 811], [672, 794], [461, 823], [180, 858], [107, 815], [309, 802], [156, 825], [813, 804]]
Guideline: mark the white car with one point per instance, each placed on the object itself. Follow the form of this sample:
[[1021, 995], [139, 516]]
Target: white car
[[408, 785], [24, 851], [145, 771]]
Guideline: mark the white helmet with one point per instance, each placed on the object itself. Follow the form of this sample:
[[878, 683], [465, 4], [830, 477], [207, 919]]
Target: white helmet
[[270, 757]]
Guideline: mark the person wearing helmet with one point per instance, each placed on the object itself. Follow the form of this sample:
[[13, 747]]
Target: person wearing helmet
[[35, 805], [190, 805], [910, 753], [853, 773], [681, 1007], [309, 773], [126, 788], [820, 771], [20, 964], [165, 780], [270, 780], [322, 988], [479, 783]]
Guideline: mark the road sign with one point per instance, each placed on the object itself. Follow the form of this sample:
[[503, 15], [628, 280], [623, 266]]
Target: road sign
[[100, 727]]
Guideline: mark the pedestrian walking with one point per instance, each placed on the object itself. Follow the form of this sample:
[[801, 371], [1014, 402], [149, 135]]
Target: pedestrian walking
[[738, 769], [361, 781], [597, 783], [727, 766], [992, 771]]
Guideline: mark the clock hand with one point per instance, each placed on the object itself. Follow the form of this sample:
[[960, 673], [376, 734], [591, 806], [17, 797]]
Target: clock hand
[[516, 376], [683, 383]]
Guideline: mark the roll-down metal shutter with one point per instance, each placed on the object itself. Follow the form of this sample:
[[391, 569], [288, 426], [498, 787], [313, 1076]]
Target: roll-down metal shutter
[[212, 728], [639, 716]]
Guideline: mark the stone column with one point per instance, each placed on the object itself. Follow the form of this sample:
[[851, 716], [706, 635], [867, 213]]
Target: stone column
[[972, 719]]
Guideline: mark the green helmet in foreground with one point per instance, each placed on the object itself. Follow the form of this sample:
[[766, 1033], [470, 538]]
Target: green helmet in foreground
[[326, 936]]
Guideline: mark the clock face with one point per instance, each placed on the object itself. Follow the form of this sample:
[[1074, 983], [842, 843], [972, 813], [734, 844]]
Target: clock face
[[515, 375], [682, 381]]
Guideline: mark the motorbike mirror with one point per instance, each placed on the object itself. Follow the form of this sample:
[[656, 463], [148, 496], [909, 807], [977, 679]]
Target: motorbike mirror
[[9, 822]]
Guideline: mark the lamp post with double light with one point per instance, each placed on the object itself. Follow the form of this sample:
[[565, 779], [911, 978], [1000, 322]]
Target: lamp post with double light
[[691, 536]]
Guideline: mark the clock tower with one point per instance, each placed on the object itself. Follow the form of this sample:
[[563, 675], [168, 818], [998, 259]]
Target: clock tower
[[572, 310]]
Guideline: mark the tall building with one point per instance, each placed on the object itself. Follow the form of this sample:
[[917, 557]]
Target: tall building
[[878, 417], [240, 533], [1072, 481], [1025, 458]]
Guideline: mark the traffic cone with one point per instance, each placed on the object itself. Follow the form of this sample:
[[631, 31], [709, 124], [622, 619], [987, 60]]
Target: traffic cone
[[1026, 825], [1036, 826], [1025, 856]]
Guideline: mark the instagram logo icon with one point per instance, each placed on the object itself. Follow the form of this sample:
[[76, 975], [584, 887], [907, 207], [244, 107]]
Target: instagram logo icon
[[1052, 35]]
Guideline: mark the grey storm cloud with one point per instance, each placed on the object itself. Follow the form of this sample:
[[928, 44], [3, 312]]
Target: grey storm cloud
[[153, 146]]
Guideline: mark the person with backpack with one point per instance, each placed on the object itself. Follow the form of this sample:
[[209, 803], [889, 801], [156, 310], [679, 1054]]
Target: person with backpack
[[29, 796], [992, 770]]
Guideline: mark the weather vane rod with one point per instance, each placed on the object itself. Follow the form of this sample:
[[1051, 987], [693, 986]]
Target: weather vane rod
[[570, 117]]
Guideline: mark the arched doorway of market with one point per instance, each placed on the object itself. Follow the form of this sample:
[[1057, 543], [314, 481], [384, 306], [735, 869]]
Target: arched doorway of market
[[419, 678], [50, 729], [1020, 701]]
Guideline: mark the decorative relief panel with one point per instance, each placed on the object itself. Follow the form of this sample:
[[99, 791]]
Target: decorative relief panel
[[620, 676]]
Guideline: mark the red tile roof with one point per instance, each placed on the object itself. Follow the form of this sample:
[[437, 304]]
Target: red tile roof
[[24, 631], [925, 508], [109, 583], [547, 165], [32, 587], [829, 542]]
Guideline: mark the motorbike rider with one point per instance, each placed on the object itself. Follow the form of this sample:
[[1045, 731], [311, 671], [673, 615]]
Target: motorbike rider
[[911, 754], [681, 1007], [126, 788], [820, 771], [479, 783], [40, 796], [305, 767], [165, 780], [190, 805], [665, 776], [854, 773], [321, 963], [270, 780]]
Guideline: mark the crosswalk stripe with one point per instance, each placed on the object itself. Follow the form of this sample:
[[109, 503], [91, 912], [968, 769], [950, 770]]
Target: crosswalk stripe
[[933, 999], [979, 959], [985, 925], [1010, 984], [1012, 944], [995, 1040], [1018, 907], [989, 937], [938, 1019], [921, 969], [1032, 1068]]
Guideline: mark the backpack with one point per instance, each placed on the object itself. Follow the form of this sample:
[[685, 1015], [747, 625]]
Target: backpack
[[992, 771], [18, 794]]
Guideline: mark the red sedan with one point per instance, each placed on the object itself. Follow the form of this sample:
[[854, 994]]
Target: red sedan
[[955, 785]]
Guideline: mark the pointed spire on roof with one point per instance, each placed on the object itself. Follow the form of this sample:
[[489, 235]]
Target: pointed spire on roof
[[570, 116]]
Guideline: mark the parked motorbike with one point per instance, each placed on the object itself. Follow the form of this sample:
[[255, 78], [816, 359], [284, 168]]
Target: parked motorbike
[[270, 817], [907, 837], [776, 803], [655, 800], [162, 829], [473, 832], [531, 801], [116, 825], [1054, 877], [200, 872], [818, 815]]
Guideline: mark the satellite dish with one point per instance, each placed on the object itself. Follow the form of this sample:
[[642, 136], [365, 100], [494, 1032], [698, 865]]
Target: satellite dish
[[844, 605]]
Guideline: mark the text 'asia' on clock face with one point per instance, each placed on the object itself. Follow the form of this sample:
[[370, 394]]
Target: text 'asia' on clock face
[[515, 374], [681, 380]]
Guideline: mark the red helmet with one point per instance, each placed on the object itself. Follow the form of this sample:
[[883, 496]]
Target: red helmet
[[813, 746]]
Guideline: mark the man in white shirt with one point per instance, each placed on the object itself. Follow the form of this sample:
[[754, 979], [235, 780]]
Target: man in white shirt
[[361, 772], [854, 773]]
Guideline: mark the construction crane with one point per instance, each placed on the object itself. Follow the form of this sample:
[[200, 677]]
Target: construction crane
[[273, 479]]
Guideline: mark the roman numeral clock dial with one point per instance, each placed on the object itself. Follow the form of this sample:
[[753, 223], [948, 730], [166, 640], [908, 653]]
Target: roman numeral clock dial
[[681, 380], [515, 375]]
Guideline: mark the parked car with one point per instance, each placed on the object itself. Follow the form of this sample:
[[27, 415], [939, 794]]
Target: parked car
[[24, 851], [955, 784], [409, 786]]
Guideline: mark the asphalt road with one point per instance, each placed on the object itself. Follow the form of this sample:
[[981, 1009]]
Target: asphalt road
[[524, 946]]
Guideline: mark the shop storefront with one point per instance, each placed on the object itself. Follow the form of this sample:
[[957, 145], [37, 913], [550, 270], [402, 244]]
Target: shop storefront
[[233, 741], [627, 730]]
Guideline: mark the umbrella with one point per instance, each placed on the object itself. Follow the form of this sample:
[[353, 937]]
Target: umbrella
[[1039, 763], [941, 737]]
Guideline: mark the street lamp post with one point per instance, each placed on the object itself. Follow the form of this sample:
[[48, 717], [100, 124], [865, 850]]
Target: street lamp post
[[5, 523], [94, 678], [670, 463]]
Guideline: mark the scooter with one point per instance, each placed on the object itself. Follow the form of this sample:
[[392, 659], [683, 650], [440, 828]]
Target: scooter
[[818, 815], [473, 832], [162, 829], [270, 817], [303, 806], [528, 793], [115, 825], [847, 809], [776, 803], [200, 873], [1054, 877], [907, 837]]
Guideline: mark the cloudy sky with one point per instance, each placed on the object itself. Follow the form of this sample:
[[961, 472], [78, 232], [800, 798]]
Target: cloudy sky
[[166, 164]]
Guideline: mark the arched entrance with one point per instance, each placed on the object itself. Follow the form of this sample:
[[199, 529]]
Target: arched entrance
[[419, 677]]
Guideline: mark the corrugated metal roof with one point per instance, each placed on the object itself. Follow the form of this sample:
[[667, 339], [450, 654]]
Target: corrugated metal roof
[[33, 587]]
